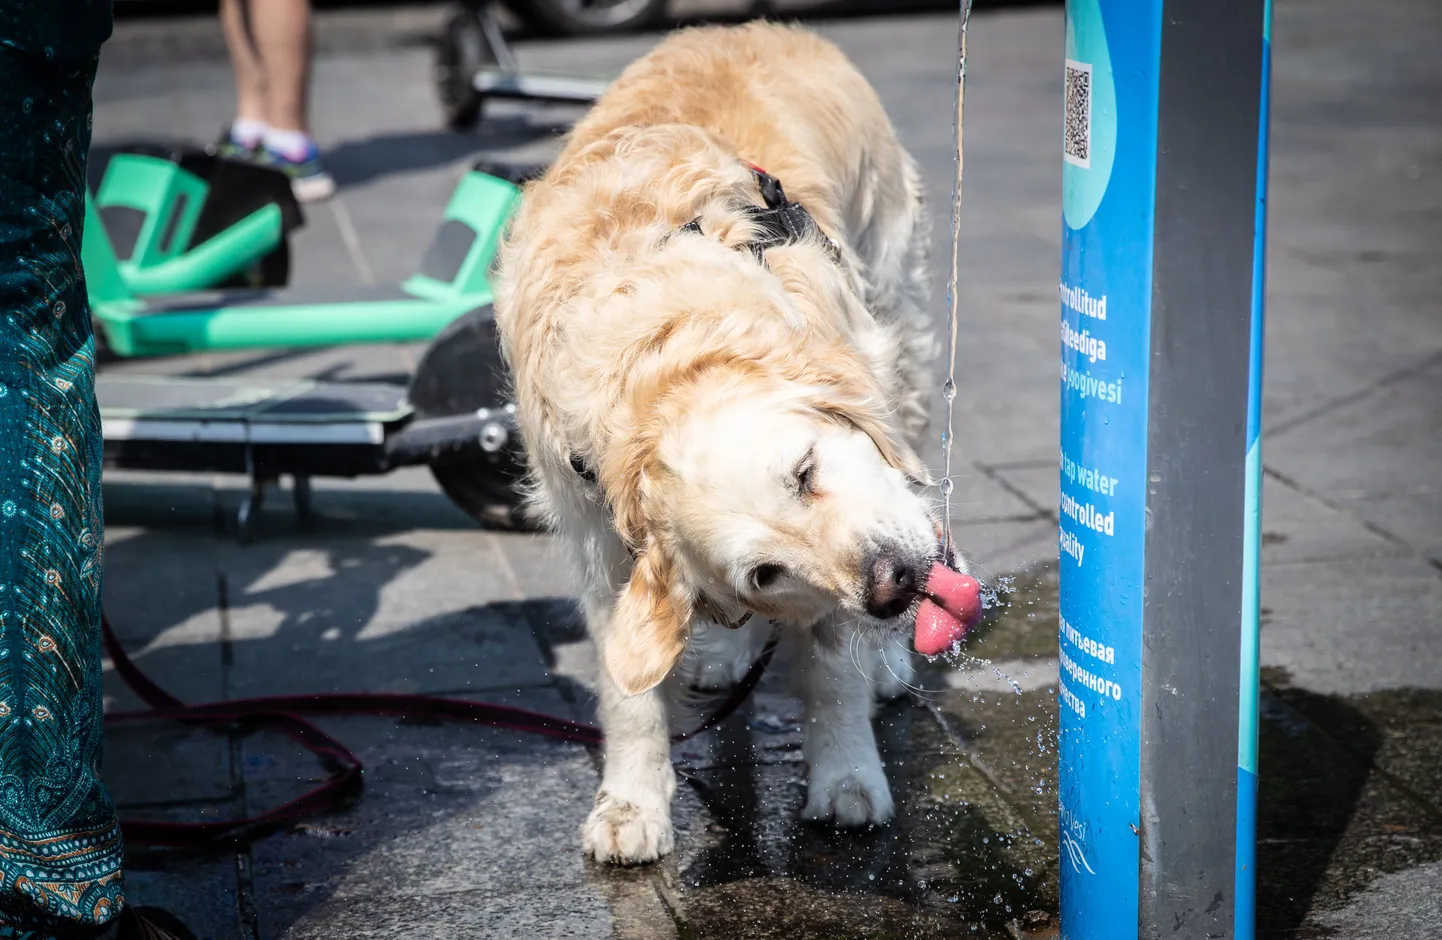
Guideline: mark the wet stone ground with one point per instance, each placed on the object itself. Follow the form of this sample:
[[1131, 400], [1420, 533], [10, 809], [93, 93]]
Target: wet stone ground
[[479, 826], [972, 852], [1349, 808]]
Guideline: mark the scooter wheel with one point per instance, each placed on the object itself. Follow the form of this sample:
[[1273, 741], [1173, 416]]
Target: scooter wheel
[[460, 372], [485, 491], [463, 50]]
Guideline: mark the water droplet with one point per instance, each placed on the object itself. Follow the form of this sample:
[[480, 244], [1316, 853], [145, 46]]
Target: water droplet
[[945, 486], [948, 390]]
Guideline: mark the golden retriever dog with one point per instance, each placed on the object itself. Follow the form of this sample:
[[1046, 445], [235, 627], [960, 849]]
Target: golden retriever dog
[[720, 423]]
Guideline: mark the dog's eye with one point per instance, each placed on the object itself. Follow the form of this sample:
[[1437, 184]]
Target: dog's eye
[[763, 576], [805, 474]]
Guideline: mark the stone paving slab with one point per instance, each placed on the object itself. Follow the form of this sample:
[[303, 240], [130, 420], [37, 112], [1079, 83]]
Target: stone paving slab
[[1404, 905], [367, 508], [746, 867], [995, 548], [203, 891], [409, 612], [160, 595], [1376, 458], [1357, 626], [549, 913], [197, 766], [1299, 529], [1350, 208], [449, 813], [1337, 813]]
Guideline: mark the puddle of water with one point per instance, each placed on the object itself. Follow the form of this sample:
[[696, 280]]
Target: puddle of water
[[972, 852]]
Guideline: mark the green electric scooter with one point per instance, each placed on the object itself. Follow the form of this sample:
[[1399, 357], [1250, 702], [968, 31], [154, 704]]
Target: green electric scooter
[[453, 415]]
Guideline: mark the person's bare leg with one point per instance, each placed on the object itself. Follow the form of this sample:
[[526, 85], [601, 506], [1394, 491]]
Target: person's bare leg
[[250, 76], [281, 32]]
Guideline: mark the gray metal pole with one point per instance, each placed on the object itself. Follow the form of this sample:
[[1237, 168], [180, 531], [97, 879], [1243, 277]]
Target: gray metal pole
[[1160, 296]]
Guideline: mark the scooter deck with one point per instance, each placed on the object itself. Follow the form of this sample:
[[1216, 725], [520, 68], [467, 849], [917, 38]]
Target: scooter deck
[[257, 426], [267, 427]]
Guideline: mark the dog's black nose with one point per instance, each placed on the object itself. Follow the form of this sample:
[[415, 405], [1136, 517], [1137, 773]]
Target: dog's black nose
[[892, 583]]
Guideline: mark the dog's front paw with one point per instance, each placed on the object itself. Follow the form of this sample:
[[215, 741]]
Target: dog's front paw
[[622, 833], [848, 795]]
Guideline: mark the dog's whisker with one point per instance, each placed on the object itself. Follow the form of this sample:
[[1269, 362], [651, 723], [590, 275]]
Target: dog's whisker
[[852, 648], [914, 689]]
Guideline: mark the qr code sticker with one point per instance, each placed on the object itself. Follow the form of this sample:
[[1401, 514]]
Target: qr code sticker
[[1077, 136]]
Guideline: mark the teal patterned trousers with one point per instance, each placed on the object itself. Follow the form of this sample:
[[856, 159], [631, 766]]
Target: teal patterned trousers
[[60, 848]]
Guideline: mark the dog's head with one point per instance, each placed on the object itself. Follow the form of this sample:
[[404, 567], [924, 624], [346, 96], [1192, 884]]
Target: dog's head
[[787, 498]]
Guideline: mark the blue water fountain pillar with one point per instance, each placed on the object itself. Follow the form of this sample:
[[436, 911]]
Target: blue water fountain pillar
[[1161, 309]]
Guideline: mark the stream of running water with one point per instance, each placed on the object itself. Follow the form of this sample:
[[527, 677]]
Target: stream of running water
[[948, 388]]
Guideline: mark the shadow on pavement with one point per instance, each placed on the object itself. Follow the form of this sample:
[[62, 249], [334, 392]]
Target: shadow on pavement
[[1347, 794], [359, 161], [209, 619]]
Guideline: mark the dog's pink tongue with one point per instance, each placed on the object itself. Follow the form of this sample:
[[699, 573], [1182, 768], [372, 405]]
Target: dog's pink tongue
[[952, 605]]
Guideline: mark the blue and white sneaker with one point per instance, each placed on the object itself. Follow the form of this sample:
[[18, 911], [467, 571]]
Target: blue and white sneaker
[[309, 179]]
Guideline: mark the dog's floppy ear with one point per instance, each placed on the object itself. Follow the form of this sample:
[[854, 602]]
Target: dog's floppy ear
[[647, 633]]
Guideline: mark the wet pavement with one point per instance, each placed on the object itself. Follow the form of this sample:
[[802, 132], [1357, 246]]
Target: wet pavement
[[469, 832]]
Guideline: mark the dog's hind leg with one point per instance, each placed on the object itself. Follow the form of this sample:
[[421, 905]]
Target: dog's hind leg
[[847, 783], [718, 658]]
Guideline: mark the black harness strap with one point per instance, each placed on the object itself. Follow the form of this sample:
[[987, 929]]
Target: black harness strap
[[778, 222], [578, 464]]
